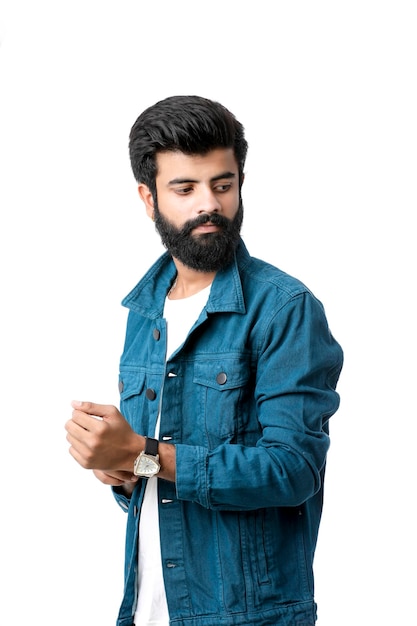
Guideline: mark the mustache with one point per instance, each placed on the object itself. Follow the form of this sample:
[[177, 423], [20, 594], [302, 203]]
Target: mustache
[[212, 218]]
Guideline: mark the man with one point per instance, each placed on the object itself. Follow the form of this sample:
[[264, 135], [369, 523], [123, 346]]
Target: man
[[227, 383]]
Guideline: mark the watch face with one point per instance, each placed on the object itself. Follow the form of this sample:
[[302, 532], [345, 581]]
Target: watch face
[[146, 465]]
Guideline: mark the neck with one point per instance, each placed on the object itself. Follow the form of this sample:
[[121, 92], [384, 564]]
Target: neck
[[189, 282]]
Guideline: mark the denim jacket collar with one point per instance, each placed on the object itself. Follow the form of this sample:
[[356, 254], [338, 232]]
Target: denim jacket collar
[[148, 296]]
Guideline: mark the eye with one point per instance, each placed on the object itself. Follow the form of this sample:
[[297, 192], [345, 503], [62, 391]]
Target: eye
[[223, 187], [182, 191]]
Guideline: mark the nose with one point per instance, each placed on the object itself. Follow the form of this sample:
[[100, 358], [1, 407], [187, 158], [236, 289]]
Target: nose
[[208, 201]]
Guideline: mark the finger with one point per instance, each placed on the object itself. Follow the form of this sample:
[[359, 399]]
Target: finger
[[93, 409], [81, 454], [121, 475], [81, 423], [75, 429], [115, 478], [108, 479]]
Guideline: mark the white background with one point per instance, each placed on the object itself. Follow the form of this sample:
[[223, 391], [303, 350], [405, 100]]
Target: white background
[[327, 94]]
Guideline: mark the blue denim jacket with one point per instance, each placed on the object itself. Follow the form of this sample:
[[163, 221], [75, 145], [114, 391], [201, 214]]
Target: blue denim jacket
[[246, 400]]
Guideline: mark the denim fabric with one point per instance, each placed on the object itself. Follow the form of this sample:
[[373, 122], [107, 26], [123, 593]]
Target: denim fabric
[[246, 400]]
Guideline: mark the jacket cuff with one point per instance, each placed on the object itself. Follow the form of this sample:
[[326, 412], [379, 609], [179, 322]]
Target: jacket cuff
[[191, 474]]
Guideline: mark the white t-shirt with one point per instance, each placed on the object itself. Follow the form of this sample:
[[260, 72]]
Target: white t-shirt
[[152, 609]]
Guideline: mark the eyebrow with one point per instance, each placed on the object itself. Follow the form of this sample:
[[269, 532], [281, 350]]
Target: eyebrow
[[222, 176]]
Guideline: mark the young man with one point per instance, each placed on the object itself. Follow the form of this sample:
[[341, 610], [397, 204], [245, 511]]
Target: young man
[[227, 381]]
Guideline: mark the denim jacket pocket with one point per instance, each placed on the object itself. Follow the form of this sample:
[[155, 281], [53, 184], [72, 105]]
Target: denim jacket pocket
[[132, 395], [224, 397]]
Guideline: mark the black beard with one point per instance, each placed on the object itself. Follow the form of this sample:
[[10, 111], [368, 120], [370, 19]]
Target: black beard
[[209, 252]]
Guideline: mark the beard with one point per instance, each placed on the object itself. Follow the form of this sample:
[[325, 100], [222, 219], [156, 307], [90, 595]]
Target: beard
[[209, 252]]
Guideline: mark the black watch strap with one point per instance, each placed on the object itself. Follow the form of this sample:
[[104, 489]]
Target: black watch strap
[[151, 446]]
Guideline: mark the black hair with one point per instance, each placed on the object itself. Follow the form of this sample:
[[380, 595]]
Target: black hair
[[189, 124]]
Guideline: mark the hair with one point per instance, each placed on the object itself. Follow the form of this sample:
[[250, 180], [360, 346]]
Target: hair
[[189, 124]]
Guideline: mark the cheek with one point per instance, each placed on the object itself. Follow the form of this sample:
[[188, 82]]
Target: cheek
[[176, 209], [231, 206]]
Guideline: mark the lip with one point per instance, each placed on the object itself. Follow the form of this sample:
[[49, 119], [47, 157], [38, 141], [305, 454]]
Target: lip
[[206, 228]]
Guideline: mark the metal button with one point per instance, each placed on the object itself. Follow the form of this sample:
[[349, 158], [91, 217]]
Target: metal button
[[121, 386], [156, 334], [150, 394], [221, 378]]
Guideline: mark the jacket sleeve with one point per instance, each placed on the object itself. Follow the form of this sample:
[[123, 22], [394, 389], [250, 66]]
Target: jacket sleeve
[[299, 363]]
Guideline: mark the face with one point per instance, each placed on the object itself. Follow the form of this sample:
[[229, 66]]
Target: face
[[198, 212]]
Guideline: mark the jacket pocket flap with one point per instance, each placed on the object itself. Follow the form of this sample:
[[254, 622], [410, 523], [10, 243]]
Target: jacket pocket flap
[[131, 383], [222, 374]]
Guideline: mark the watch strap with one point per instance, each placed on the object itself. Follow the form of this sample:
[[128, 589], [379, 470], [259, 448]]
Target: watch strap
[[151, 446]]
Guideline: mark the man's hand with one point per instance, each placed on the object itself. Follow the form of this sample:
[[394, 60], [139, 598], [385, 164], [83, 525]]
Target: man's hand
[[100, 438], [126, 480]]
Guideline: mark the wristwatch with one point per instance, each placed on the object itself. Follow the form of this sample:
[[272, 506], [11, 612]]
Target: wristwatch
[[147, 463]]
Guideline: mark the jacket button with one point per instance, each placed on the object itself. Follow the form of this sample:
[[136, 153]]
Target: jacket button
[[221, 378], [121, 386], [150, 394], [156, 334]]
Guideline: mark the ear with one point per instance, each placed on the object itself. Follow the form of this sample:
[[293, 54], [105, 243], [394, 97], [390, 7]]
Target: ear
[[147, 199]]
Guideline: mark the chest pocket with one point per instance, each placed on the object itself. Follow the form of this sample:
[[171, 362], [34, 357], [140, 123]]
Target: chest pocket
[[132, 397], [225, 391]]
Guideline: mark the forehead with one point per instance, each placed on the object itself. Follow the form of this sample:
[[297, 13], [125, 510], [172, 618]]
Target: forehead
[[195, 166]]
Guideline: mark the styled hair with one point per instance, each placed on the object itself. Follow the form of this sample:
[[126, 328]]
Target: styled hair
[[189, 124]]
